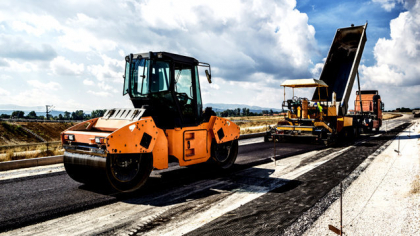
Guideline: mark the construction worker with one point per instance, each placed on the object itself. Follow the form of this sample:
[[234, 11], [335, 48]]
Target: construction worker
[[318, 105]]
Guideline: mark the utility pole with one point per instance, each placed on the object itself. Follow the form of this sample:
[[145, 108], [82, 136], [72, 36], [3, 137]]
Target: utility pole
[[49, 109]]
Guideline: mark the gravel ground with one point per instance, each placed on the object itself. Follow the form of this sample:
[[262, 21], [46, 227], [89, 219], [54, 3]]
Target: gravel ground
[[381, 201]]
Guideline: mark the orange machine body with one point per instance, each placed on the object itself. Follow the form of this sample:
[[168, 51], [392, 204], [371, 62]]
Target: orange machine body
[[190, 145]]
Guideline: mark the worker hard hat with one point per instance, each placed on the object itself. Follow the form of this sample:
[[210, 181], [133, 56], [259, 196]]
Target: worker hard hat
[[315, 104]]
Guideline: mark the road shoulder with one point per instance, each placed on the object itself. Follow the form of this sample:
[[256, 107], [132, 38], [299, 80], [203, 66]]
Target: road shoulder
[[381, 200]]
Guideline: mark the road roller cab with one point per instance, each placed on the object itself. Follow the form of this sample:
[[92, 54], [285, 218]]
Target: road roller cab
[[167, 122]]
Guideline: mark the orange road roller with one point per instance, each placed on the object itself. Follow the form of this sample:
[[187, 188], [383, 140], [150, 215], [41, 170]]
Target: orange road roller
[[167, 123]]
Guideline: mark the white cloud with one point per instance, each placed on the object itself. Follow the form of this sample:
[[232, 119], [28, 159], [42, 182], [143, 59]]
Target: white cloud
[[20, 67], [396, 72], [79, 35], [4, 92], [239, 38], [88, 82], [388, 5], [121, 53], [35, 24], [316, 71], [100, 93], [397, 58], [40, 97], [110, 71], [20, 48], [47, 86], [82, 40], [5, 77], [62, 66]]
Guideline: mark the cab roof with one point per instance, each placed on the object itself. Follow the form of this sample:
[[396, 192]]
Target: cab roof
[[167, 55], [304, 83]]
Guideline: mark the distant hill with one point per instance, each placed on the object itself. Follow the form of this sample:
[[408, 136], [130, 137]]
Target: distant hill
[[40, 110], [38, 113], [221, 107], [8, 109]]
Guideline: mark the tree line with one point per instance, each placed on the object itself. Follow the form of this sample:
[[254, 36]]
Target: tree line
[[76, 115], [242, 112]]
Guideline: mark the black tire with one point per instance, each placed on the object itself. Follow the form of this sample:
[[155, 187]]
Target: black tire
[[346, 135], [265, 138], [128, 172], [224, 154]]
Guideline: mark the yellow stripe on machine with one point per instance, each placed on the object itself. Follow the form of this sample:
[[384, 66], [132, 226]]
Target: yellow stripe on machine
[[295, 128]]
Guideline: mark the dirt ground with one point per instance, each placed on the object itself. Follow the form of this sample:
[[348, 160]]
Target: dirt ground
[[48, 131], [13, 133]]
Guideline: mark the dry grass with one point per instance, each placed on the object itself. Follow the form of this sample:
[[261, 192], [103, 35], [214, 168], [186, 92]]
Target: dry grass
[[252, 131], [415, 186], [10, 155], [388, 116], [28, 148], [255, 121]]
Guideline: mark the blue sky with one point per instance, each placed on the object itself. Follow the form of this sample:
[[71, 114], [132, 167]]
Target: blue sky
[[71, 53]]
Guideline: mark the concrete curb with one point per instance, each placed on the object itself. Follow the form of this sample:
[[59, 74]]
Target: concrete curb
[[42, 161]]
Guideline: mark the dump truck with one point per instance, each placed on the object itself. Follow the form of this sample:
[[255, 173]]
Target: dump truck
[[166, 124], [324, 117], [369, 107]]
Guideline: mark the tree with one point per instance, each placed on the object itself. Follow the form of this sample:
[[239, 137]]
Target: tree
[[4, 116], [32, 115], [271, 112], [60, 117], [97, 113], [18, 114], [67, 115], [77, 115]]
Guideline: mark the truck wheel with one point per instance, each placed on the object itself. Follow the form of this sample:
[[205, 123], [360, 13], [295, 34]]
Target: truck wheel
[[128, 172], [224, 154], [265, 138]]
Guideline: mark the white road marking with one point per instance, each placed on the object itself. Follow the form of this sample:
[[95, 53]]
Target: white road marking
[[26, 172], [240, 197]]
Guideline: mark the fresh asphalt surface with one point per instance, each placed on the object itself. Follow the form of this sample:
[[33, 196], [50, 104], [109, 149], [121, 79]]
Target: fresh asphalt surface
[[37, 198], [34, 199]]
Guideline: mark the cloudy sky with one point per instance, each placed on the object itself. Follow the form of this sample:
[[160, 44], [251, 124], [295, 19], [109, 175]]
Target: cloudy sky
[[71, 53]]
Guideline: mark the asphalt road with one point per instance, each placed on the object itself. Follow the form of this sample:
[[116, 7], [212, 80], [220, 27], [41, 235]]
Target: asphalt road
[[37, 198], [25, 201]]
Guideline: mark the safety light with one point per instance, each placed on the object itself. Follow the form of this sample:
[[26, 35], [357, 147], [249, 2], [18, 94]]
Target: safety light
[[159, 55], [69, 137], [99, 140]]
